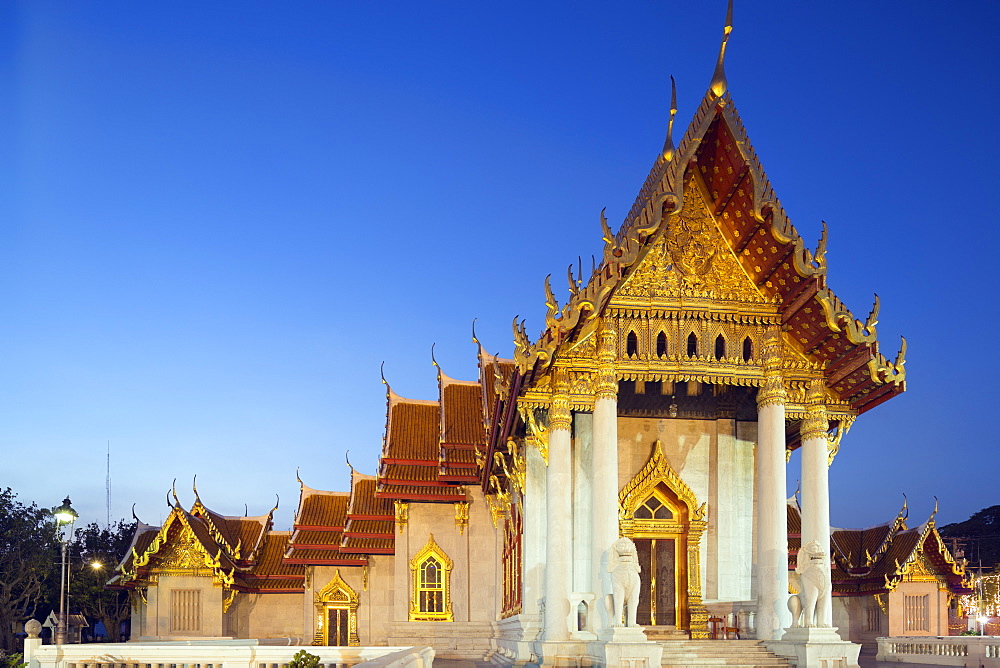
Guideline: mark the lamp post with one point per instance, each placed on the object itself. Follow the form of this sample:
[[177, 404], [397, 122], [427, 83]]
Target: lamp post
[[65, 518]]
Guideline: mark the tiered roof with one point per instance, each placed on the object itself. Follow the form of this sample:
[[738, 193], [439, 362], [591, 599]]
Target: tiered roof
[[319, 529], [241, 553], [876, 559]]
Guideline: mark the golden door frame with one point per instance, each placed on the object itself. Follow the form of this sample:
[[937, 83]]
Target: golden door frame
[[657, 478], [337, 594]]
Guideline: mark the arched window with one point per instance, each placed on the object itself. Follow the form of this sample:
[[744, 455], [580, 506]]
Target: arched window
[[747, 349], [631, 345], [653, 509], [431, 586], [692, 345], [720, 347], [431, 572], [661, 345]]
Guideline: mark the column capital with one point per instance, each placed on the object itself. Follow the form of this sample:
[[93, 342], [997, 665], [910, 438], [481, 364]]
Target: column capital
[[815, 425], [559, 412], [773, 392], [606, 386]]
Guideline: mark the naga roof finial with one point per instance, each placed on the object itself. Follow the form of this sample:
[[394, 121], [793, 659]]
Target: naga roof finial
[[388, 388], [668, 145], [474, 338], [719, 84]]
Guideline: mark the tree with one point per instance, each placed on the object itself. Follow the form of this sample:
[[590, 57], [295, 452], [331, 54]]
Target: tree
[[97, 551], [28, 554], [981, 535]]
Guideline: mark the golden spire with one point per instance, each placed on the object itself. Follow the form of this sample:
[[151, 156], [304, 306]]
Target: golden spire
[[719, 85], [668, 145]]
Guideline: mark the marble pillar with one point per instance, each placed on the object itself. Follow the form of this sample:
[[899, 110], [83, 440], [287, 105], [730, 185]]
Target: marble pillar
[[815, 480], [772, 516], [558, 514], [604, 473]]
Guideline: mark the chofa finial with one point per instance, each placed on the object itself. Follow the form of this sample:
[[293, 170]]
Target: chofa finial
[[668, 145], [719, 84]]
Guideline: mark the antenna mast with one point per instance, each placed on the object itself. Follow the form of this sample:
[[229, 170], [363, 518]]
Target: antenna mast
[[107, 485]]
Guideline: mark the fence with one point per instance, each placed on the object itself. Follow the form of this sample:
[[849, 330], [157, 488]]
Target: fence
[[966, 651], [216, 654]]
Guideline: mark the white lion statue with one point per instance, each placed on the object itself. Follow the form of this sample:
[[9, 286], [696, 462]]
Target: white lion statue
[[623, 564], [814, 577]]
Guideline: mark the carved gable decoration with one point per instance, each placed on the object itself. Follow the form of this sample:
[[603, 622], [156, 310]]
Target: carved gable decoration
[[337, 591], [919, 569], [183, 554], [690, 258]]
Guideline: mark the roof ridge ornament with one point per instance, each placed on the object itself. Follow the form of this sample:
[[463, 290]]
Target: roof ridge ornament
[[668, 145], [719, 84]]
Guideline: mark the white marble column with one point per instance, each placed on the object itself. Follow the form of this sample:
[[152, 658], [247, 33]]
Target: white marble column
[[815, 480], [559, 514], [772, 516], [605, 475]]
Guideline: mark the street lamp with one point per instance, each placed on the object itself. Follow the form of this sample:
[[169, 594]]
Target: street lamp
[[65, 517]]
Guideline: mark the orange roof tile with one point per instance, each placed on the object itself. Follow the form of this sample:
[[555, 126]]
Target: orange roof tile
[[321, 509], [363, 500], [421, 493], [412, 430], [462, 413], [269, 557], [359, 545], [320, 557], [394, 472], [301, 539]]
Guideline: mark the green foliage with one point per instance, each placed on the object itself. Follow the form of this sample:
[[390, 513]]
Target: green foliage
[[96, 551], [982, 534], [28, 555], [970, 633], [304, 659], [13, 661]]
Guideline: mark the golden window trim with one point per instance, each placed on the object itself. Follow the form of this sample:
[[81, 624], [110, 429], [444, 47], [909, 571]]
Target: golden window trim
[[336, 595], [430, 550]]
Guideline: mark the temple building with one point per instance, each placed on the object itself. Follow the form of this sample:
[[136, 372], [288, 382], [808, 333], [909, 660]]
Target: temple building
[[661, 402]]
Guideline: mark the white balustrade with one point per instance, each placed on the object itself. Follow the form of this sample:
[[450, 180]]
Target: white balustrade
[[217, 654], [968, 651]]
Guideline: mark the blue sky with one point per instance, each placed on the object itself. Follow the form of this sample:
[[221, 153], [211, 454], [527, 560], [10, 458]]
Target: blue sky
[[219, 220]]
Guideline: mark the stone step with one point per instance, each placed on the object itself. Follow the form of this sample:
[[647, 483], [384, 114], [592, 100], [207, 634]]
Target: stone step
[[718, 653]]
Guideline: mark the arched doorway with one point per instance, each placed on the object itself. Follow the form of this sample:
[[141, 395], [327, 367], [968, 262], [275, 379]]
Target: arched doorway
[[337, 614], [661, 514]]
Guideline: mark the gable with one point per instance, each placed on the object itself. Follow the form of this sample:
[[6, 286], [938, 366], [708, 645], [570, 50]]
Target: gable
[[689, 258]]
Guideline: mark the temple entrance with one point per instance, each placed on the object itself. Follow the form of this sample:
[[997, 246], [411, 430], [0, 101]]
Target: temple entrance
[[658, 596], [658, 511], [338, 625], [337, 614]]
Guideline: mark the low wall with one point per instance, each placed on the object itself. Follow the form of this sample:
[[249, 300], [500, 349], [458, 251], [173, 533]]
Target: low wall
[[216, 654], [966, 651]]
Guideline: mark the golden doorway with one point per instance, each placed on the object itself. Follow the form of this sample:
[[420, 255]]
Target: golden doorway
[[337, 614], [660, 513]]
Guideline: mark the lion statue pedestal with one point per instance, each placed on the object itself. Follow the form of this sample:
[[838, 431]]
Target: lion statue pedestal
[[810, 641], [624, 641]]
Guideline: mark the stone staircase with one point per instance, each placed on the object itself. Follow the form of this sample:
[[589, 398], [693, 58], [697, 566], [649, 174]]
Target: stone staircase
[[730, 653]]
